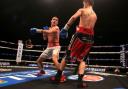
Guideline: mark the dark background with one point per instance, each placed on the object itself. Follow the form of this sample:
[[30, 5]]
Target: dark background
[[18, 16]]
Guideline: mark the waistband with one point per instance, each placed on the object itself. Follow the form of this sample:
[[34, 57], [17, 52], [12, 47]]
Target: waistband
[[83, 30]]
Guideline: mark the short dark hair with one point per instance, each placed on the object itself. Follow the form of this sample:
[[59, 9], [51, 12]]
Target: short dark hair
[[55, 17], [90, 2]]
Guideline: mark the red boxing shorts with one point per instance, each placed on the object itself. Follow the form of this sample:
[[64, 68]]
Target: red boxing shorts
[[80, 45]]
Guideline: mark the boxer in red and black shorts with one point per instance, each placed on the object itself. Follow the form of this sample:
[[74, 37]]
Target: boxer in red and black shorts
[[81, 41]]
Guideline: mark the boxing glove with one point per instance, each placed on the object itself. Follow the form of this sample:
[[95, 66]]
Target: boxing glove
[[63, 33], [45, 28], [33, 30]]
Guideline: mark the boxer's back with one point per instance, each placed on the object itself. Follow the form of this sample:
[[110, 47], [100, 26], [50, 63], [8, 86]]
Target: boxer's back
[[88, 18]]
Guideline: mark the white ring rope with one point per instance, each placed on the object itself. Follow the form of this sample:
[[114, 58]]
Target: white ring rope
[[105, 46], [50, 63], [61, 51], [105, 52], [7, 42], [8, 48]]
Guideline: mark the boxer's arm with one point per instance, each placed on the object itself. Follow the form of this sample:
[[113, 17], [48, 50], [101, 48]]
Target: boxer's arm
[[36, 30], [72, 19], [52, 30], [39, 30]]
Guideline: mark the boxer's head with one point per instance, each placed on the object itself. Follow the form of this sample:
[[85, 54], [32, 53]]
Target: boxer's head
[[89, 2], [54, 20]]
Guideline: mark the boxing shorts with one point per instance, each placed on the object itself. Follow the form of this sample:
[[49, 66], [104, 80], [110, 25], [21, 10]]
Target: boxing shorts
[[80, 45]]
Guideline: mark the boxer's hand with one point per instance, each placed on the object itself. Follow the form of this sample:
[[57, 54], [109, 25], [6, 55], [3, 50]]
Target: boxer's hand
[[63, 33], [45, 28], [33, 30]]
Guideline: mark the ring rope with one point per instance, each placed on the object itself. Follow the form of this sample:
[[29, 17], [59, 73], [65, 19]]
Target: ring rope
[[8, 48], [107, 46], [7, 42], [47, 63], [104, 46], [37, 56], [62, 51]]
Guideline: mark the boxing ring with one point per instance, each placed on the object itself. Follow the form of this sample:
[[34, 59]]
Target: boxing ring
[[102, 60]]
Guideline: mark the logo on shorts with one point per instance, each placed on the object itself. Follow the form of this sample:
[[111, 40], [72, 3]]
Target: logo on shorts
[[92, 78], [3, 81]]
